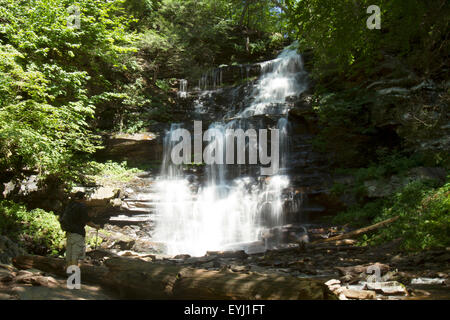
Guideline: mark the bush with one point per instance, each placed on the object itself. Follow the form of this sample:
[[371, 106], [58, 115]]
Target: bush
[[109, 172], [424, 216], [39, 231]]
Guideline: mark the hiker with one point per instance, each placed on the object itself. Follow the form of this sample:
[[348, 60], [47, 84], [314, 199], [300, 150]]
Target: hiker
[[75, 217]]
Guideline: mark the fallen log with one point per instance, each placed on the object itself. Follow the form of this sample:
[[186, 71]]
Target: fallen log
[[138, 279], [58, 267], [357, 232]]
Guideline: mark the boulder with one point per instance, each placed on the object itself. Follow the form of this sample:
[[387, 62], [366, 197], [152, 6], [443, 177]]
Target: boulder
[[6, 276], [354, 274], [335, 286], [102, 196], [46, 194], [36, 280], [101, 200], [136, 148], [9, 250], [427, 173], [428, 281], [359, 294], [353, 270]]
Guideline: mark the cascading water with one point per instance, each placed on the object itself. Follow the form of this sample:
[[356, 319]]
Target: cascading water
[[183, 88], [227, 209], [281, 78], [212, 79]]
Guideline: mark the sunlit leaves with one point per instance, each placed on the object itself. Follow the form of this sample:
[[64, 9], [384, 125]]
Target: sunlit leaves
[[336, 30], [47, 73]]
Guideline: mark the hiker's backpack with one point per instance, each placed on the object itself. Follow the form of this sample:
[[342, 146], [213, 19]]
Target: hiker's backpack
[[66, 220]]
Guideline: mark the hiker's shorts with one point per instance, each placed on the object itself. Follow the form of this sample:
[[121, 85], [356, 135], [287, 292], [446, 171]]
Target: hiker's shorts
[[75, 248]]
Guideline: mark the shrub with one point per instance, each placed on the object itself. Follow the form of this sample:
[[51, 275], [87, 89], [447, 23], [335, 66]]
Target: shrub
[[39, 231], [109, 172], [424, 216]]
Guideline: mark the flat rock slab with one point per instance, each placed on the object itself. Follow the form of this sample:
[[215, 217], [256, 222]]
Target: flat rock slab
[[359, 294], [59, 292], [34, 284], [388, 287]]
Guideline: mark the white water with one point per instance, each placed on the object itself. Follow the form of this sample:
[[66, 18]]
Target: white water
[[212, 80], [182, 93], [281, 78], [224, 212]]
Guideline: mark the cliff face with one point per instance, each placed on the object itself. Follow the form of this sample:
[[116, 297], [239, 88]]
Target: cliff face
[[418, 112], [397, 112]]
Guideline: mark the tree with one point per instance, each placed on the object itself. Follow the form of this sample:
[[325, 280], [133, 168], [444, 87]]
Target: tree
[[51, 77]]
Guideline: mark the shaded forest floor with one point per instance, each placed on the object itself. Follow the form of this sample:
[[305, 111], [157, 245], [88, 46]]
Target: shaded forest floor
[[403, 275]]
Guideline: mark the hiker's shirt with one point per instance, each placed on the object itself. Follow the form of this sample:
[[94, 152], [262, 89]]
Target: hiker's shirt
[[78, 218]]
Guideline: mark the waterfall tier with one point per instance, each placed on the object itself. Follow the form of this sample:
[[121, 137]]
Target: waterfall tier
[[230, 205]]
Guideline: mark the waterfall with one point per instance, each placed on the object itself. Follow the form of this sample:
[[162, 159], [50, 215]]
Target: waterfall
[[281, 78], [284, 128], [228, 206], [211, 80], [182, 93]]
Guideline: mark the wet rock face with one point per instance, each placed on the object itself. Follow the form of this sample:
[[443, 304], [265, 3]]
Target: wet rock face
[[416, 109], [308, 170], [134, 148], [210, 106], [226, 75]]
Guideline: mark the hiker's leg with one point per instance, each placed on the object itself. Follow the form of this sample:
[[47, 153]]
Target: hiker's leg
[[69, 250], [79, 248], [83, 249]]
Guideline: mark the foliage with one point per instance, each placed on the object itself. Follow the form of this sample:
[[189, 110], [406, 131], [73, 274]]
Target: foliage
[[424, 212], [51, 77], [59, 84], [346, 125], [37, 229], [346, 56], [92, 241], [336, 30], [359, 216], [109, 172], [190, 36], [386, 164]]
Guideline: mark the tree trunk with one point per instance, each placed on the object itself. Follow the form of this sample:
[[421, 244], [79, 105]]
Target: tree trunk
[[137, 279], [358, 231]]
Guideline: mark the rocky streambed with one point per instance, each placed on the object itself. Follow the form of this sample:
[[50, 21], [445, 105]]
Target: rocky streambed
[[348, 270]]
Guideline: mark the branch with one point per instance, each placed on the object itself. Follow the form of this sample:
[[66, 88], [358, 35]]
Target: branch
[[358, 231]]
